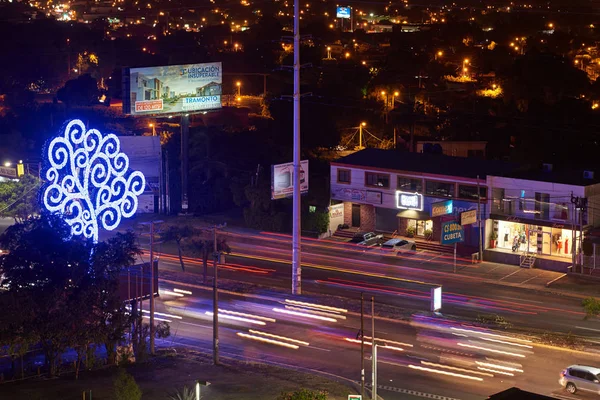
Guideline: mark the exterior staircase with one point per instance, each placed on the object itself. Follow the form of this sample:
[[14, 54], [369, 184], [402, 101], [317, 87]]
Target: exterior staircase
[[527, 260]]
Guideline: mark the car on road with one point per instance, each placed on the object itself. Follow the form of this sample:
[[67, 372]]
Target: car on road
[[366, 239], [398, 246], [580, 377]]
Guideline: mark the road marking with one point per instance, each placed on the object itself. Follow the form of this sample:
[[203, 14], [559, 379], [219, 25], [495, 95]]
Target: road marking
[[511, 274], [527, 280], [431, 259], [588, 329], [413, 392]]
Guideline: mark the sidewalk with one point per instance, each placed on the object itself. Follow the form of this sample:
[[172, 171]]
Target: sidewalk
[[571, 285]]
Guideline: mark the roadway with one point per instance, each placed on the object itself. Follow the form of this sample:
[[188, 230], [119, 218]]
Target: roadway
[[402, 281], [422, 356]]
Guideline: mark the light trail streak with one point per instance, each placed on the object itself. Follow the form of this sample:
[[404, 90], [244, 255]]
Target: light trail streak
[[315, 312], [270, 335], [300, 314], [326, 308], [430, 364], [240, 314], [233, 317], [470, 346], [172, 293], [378, 345], [390, 341], [496, 372], [163, 314], [182, 291], [157, 318], [507, 343], [490, 365], [437, 371], [490, 334], [271, 341]]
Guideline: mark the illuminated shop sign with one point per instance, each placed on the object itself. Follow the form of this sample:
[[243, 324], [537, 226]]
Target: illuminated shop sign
[[442, 208], [409, 201]]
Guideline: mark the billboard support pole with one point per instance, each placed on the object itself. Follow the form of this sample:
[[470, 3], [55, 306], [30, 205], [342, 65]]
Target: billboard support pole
[[296, 265], [185, 134]]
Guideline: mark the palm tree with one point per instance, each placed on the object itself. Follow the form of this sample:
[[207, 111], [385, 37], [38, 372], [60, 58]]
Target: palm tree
[[185, 394], [177, 234]]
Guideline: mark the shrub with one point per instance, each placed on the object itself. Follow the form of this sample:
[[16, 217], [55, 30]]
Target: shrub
[[125, 387], [304, 394]]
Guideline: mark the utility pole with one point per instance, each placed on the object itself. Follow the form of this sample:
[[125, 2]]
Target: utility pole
[[479, 221], [373, 353], [296, 224], [362, 346], [216, 256], [185, 132], [152, 286]]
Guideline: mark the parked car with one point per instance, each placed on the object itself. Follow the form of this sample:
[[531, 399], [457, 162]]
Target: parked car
[[366, 239], [399, 246], [580, 377]]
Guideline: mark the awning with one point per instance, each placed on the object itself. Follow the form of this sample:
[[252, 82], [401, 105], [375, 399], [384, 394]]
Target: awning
[[413, 214]]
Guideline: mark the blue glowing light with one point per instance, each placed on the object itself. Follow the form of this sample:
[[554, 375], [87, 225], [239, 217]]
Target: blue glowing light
[[89, 181]]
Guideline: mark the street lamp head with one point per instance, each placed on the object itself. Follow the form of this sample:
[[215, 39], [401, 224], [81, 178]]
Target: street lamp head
[[440, 53], [465, 69], [396, 93], [550, 25], [363, 123], [466, 60], [328, 48], [576, 61], [238, 83], [151, 125], [383, 92], [7, 164], [347, 55], [516, 47], [365, 63]]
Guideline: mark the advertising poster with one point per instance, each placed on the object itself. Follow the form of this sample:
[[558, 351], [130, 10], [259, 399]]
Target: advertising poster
[[468, 217], [343, 12], [452, 232], [174, 89], [282, 179]]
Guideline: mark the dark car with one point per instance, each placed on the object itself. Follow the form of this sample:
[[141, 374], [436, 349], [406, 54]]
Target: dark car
[[366, 239]]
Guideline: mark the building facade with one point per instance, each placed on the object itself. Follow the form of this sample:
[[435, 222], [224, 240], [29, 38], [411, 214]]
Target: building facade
[[395, 192], [540, 213]]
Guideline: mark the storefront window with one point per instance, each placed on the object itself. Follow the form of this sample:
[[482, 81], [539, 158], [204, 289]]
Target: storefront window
[[420, 226], [410, 184], [556, 242], [440, 189], [470, 192]]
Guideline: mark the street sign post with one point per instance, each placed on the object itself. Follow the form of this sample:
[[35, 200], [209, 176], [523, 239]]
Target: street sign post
[[354, 397], [452, 233]]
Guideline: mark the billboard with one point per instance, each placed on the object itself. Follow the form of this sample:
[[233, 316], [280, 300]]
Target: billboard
[[172, 89], [282, 179], [343, 12], [452, 232]]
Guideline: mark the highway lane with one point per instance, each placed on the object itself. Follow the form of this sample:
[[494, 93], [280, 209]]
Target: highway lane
[[523, 308], [426, 354]]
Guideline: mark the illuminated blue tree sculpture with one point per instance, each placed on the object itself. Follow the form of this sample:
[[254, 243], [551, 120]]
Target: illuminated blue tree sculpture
[[89, 181]]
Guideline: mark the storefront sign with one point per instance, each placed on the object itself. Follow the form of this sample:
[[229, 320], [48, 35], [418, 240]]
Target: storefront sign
[[468, 217], [374, 197], [8, 172], [452, 232], [409, 201], [442, 208]]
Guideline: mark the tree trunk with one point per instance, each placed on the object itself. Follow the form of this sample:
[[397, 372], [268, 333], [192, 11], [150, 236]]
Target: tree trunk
[[180, 257]]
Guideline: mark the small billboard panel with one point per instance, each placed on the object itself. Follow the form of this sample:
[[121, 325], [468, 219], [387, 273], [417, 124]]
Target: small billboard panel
[[442, 208], [343, 12], [282, 179], [452, 232], [409, 200], [173, 89], [468, 217]]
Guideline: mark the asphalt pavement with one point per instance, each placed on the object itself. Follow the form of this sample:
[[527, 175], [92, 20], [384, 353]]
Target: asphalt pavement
[[424, 356]]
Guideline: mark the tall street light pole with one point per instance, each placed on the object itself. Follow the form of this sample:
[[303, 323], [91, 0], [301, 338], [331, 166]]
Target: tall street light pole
[[296, 226]]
